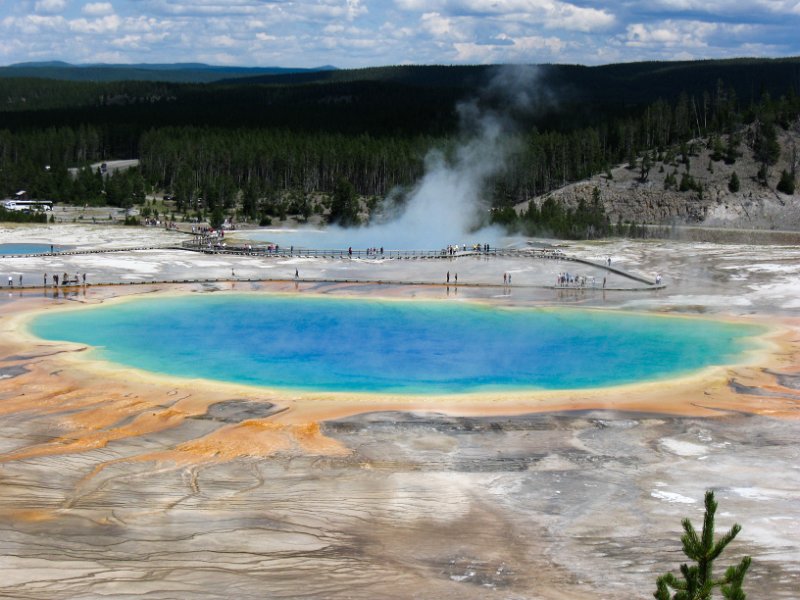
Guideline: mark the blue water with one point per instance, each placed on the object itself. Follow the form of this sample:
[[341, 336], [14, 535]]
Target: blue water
[[358, 345], [7, 249]]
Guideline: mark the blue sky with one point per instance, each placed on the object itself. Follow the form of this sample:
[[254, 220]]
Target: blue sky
[[361, 33]]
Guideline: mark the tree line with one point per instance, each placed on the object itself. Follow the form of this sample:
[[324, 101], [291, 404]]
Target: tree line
[[264, 171]]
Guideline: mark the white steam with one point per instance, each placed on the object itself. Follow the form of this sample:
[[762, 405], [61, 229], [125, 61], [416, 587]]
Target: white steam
[[449, 204]]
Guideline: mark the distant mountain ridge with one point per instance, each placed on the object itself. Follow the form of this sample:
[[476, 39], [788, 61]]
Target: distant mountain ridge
[[622, 83], [166, 72]]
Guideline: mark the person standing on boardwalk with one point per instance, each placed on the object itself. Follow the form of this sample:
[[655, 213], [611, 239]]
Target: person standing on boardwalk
[[296, 274], [448, 277], [45, 280]]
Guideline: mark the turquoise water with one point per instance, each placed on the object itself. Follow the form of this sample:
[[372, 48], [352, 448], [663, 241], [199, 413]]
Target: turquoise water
[[357, 345], [21, 248]]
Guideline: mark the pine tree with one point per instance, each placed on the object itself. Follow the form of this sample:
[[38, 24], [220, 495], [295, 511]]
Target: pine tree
[[698, 580], [344, 205], [733, 183], [786, 183], [731, 150], [217, 217]]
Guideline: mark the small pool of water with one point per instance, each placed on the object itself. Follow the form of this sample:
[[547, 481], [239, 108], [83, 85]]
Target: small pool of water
[[363, 345], [23, 248]]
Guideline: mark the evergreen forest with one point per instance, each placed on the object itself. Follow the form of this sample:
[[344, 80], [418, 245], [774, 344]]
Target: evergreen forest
[[263, 148]]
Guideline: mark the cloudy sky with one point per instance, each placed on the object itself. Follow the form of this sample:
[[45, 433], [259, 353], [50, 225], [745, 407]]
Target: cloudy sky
[[358, 33]]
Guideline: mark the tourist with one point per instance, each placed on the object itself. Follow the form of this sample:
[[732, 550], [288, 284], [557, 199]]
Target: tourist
[[10, 281], [55, 279], [20, 280], [45, 280], [84, 279], [456, 279], [296, 274], [448, 277], [509, 279], [505, 278]]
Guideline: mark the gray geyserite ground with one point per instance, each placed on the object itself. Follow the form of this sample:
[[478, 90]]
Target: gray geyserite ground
[[552, 506]]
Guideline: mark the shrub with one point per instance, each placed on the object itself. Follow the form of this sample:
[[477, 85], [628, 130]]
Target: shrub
[[787, 183]]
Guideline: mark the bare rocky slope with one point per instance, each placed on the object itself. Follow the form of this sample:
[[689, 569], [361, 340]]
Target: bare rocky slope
[[754, 206]]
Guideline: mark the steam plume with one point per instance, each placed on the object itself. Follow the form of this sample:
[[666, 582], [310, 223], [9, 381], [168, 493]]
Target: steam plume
[[449, 204]]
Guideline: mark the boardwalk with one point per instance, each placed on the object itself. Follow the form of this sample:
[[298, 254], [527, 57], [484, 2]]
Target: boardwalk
[[244, 253], [215, 246]]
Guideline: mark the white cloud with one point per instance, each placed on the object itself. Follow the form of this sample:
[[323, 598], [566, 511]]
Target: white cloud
[[527, 49], [440, 26], [102, 25], [355, 33], [49, 6], [757, 49], [669, 34], [419, 5], [553, 14], [727, 7], [203, 7], [130, 42], [34, 24], [97, 9], [355, 9], [223, 41]]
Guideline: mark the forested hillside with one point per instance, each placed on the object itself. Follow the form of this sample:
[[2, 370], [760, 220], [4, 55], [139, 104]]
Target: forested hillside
[[282, 145]]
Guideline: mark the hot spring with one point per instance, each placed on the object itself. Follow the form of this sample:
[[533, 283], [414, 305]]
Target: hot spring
[[388, 346]]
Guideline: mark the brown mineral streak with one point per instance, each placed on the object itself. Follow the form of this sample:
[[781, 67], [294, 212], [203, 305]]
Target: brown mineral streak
[[87, 398]]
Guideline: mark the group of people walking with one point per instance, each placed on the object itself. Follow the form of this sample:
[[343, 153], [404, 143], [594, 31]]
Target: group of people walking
[[453, 249], [65, 280]]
